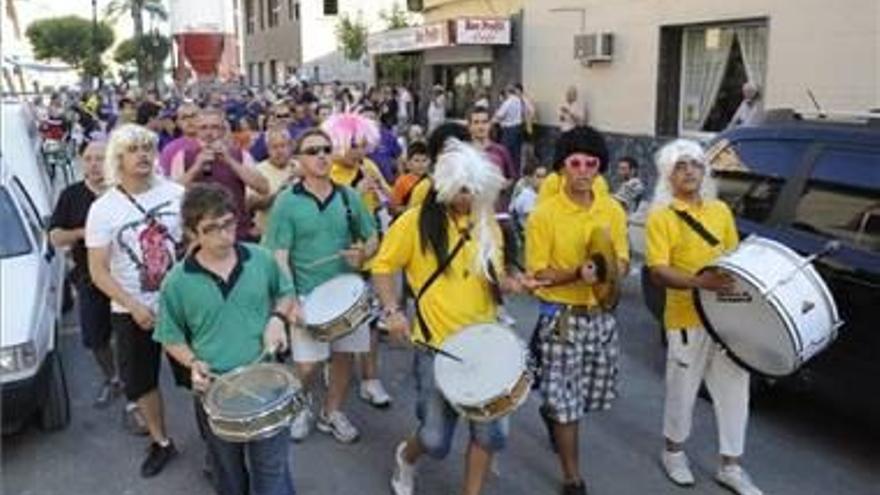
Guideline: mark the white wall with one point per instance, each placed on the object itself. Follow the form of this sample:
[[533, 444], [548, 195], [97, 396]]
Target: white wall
[[833, 48], [319, 46]]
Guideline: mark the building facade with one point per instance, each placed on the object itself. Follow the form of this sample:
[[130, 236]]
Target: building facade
[[661, 68], [472, 49], [271, 32]]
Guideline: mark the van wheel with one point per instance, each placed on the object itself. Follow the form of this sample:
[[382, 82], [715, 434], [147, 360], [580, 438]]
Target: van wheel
[[55, 414]]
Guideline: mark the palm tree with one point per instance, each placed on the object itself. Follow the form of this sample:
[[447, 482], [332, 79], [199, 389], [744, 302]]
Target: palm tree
[[155, 9]]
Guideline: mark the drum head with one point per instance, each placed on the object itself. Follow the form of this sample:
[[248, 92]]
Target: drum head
[[250, 390], [333, 298], [494, 360], [754, 332]]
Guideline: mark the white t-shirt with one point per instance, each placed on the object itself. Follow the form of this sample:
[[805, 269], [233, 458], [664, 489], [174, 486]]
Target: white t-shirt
[[141, 250]]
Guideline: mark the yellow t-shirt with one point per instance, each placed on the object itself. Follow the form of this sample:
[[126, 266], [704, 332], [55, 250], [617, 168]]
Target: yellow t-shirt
[[419, 193], [345, 176], [557, 234], [276, 177], [459, 297], [670, 242], [555, 182]]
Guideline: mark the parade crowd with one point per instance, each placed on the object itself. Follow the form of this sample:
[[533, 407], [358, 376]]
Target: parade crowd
[[205, 219]]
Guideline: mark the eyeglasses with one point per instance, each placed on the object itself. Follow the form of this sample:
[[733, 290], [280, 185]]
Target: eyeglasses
[[217, 227], [144, 147], [317, 150], [588, 162], [282, 115], [186, 116], [211, 127]]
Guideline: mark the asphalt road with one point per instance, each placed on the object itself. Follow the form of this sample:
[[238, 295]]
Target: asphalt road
[[794, 445]]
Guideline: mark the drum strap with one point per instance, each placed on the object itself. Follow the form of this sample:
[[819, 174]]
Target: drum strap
[[697, 227], [423, 325], [349, 216]]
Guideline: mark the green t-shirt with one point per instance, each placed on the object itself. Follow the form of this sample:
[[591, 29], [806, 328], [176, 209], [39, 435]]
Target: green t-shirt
[[312, 230], [223, 321]]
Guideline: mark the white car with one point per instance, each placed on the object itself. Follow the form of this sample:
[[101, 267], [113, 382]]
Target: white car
[[31, 280]]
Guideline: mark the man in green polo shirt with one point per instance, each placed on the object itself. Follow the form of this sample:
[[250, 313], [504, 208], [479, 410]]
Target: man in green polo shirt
[[218, 310], [310, 223]]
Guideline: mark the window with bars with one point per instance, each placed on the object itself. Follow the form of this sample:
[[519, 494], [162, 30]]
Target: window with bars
[[262, 15]]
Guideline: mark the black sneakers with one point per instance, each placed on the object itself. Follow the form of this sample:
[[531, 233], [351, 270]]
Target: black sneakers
[[157, 458], [577, 488]]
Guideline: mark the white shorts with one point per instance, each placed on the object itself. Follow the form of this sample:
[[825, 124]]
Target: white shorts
[[306, 349]]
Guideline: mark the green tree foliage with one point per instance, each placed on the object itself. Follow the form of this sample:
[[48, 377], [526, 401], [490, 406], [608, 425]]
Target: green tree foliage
[[156, 49], [155, 9], [69, 39], [395, 68], [351, 35], [397, 18]]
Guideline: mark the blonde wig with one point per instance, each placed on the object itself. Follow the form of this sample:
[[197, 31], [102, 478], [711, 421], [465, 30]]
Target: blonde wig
[[120, 139]]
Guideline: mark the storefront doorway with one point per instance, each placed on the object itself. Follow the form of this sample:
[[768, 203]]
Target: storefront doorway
[[465, 85]]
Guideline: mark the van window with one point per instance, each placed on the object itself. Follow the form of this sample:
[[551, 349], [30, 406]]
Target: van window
[[842, 198], [14, 241], [751, 174], [30, 213]]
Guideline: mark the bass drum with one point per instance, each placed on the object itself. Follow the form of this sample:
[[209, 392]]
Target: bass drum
[[779, 314]]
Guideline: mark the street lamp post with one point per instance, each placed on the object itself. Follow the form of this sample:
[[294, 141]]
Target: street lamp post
[[95, 57]]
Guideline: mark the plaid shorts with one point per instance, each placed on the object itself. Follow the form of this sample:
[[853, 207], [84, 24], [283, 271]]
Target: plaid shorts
[[575, 359]]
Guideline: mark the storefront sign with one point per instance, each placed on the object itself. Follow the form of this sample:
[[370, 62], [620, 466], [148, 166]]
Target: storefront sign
[[409, 39], [482, 31]]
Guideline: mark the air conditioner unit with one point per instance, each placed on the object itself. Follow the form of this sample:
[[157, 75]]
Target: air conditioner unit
[[594, 47]]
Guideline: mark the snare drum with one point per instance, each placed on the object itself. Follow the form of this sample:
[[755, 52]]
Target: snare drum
[[492, 381], [780, 313], [252, 402], [337, 307]]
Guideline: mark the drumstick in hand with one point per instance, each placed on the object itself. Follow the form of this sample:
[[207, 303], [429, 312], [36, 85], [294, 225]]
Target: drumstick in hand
[[437, 350]]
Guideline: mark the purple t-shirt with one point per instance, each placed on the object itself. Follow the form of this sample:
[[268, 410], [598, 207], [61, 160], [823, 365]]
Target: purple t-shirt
[[171, 150], [222, 174]]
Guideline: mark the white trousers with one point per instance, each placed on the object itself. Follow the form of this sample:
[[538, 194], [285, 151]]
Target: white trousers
[[693, 357]]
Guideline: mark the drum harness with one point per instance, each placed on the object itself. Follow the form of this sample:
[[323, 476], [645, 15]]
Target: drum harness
[[465, 236]]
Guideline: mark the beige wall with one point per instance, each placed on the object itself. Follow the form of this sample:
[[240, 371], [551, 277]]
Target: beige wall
[[280, 43], [832, 48], [438, 10]]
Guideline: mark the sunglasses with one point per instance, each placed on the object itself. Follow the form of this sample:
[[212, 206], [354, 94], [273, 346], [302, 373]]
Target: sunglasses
[[211, 127], [186, 116], [317, 150], [145, 147], [590, 163], [282, 115], [216, 227]]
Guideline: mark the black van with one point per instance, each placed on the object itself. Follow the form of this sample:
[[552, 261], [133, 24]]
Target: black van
[[804, 181]]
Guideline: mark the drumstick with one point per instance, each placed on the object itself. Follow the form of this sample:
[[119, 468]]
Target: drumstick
[[437, 350], [321, 261]]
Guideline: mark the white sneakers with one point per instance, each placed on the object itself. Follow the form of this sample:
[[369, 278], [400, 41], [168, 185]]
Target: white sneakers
[[337, 424], [677, 467], [735, 478], [301, 425], [374, 394], [730, 476], [403, 481]]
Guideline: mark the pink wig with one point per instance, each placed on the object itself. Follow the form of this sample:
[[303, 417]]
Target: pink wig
[[346, 129]]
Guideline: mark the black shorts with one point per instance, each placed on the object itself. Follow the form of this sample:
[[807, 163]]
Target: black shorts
[[139, 356], [94, 316]]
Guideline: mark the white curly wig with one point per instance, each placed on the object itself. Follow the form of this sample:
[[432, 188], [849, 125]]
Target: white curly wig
[[120, 139], [462, 166], [667, 157]]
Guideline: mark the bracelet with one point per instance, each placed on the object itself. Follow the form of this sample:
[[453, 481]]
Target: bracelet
[[281, 316]]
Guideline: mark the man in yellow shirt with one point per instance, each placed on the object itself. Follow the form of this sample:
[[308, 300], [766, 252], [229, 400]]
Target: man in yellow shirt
[[354, 136], [575, 345], [687, 230], [456, 223], [279, 169]]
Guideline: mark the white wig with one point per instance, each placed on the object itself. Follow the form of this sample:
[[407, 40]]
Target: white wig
[[462, 166], [120, 139], [666, 158]]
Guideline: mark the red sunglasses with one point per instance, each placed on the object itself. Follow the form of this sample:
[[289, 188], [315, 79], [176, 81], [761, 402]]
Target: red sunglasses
[[590, 162]]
